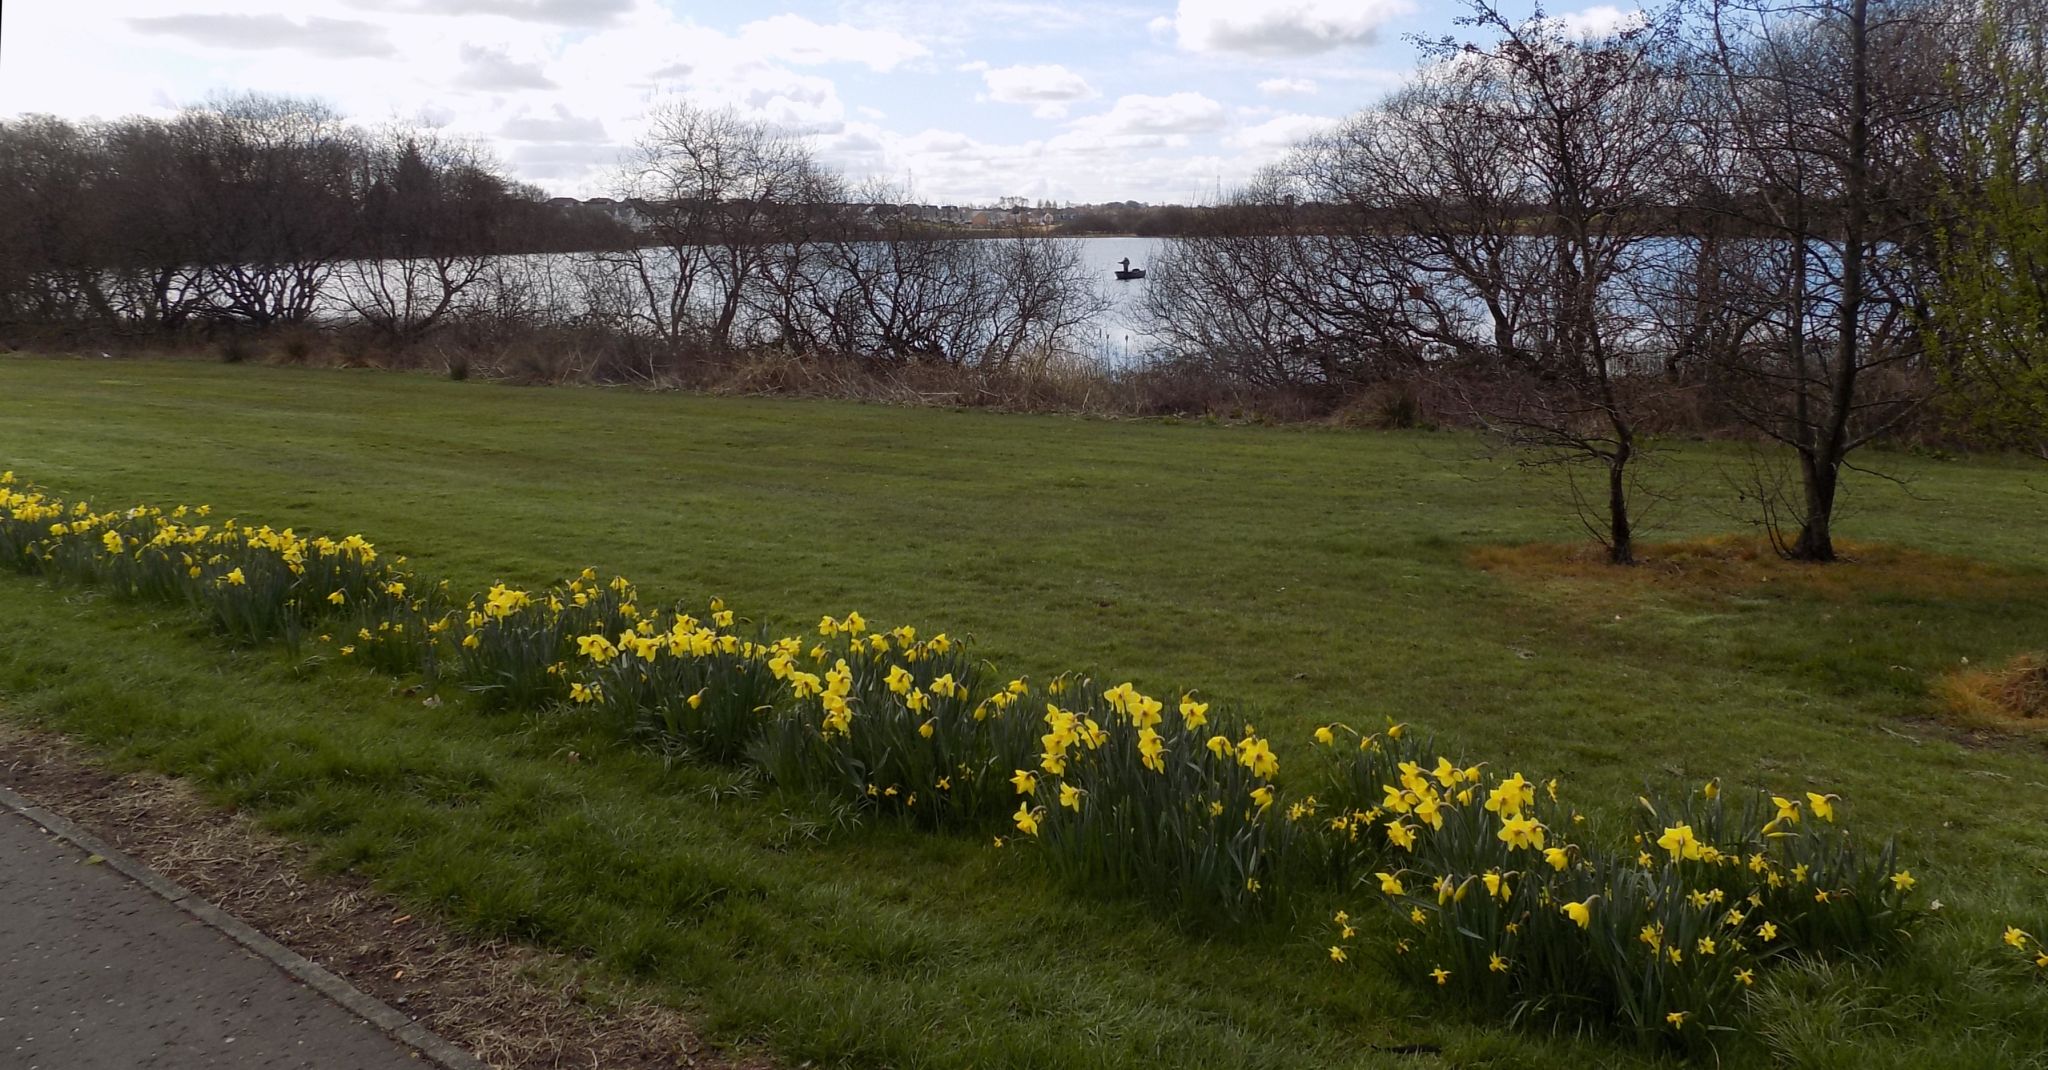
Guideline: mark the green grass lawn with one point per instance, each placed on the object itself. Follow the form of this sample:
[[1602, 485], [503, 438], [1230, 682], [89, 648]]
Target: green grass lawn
[[1313, 574]]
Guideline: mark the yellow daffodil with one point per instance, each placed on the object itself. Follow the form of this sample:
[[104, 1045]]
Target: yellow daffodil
[[1823, 806], [1257, 755], [1390, 884], [1512, 796], [1903, 880], [1337, 954], [899, 679], [1581, 913], [1025, 781], [1768, 931], [2017, 937], [1677, 1019], [1152, 749], [1679, 840], [1443, 976], [1521, 832], [1497, 964], [1026, 819]]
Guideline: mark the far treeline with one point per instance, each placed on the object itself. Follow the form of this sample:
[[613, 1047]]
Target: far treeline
[[1822, 223]]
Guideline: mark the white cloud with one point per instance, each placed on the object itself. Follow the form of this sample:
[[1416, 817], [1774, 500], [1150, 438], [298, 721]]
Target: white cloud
[[1277, 87], [1601, 20], [1049, 87], [492, 69], [796, 39], [554, 12], [1279, 28], [338, 38], [1036, 84], [1141, 116], [560, 126], [1278, 133]]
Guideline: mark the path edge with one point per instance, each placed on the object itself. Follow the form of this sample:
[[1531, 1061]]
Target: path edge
[[388, 1019]]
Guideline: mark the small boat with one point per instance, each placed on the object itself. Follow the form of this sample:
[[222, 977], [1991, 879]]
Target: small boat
[[1128, 273]]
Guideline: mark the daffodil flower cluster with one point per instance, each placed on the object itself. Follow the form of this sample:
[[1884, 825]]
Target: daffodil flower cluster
[[1505, 902], [255, 583]]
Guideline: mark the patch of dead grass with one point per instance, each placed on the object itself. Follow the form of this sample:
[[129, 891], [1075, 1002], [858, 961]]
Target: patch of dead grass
[[2013, 696]]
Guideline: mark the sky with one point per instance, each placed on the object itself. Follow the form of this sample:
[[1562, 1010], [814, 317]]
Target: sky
[[947, 101]]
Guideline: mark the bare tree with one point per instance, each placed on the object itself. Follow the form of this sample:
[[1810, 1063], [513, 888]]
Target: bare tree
[[269, 179], [1504, 203], [53, 237], [716, 191], [429, 216], [1819, 103], [1277, 293]]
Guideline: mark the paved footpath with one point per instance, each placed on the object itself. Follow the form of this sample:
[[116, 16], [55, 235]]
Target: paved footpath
[[99, 973]]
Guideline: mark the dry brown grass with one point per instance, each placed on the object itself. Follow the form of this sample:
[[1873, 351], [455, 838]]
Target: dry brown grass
[[2011, 697], [1730, 564]]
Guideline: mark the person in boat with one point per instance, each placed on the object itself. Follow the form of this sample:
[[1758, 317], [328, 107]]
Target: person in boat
[[1127, 265]]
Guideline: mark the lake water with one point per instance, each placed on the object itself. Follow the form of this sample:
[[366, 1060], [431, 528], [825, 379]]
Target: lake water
[[1115, 336], [1118, 335]]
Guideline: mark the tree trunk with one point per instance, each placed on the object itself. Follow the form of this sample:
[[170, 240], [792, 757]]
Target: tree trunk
[[1816, 540], [1621, 540], [1821, 466]]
